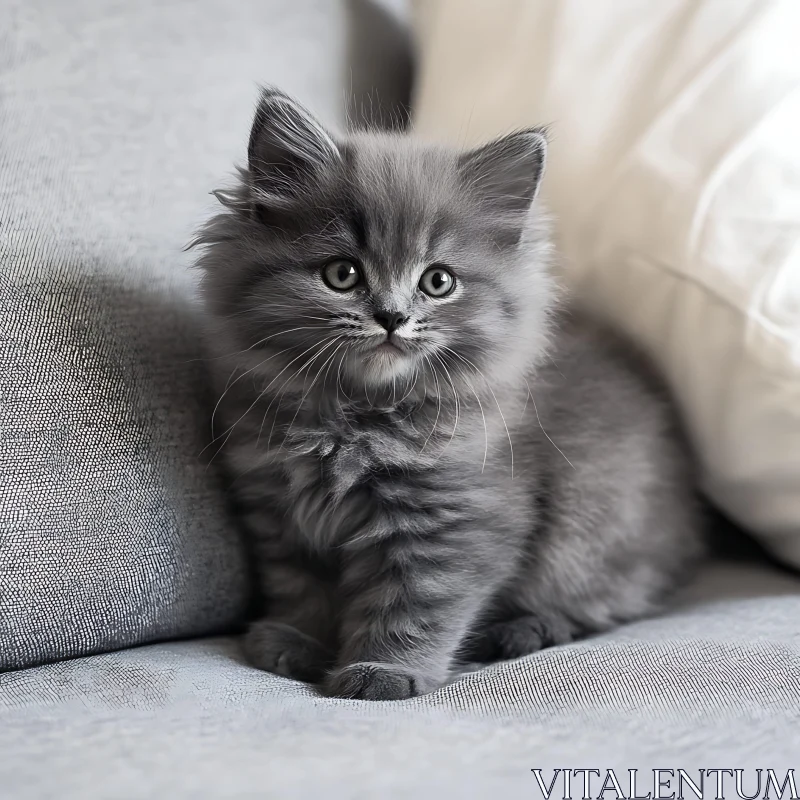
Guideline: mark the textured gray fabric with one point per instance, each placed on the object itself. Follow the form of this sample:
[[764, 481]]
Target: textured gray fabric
[[714, 684], [116, 121]]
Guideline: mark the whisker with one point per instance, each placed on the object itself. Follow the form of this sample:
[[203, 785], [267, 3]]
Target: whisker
[[340, 388], [230, 430], [508, 433], [412, 387], [307, 391], [330, 362], [229, 386], [281, 390], [266, 310], [455, 398], [256, 344], [438, 402], [530, 394], [480, 405]]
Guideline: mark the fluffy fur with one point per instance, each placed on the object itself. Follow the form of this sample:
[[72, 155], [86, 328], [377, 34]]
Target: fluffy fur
[[500, 479]]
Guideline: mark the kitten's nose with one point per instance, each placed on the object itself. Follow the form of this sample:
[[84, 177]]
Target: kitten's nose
[[390, 319]]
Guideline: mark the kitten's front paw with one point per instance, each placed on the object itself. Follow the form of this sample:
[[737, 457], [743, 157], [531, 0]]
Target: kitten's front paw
[[517, 637], [284, 650], [374, 681]]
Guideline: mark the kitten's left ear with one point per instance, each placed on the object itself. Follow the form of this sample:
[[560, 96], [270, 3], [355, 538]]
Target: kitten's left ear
[[507, 172], [287, 148]]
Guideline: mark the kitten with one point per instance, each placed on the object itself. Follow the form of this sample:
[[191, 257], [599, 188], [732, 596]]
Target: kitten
[[432, 465]]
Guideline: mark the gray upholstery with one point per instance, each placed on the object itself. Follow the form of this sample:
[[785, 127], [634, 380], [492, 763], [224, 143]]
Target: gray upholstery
[[116, 120], [715, 684]]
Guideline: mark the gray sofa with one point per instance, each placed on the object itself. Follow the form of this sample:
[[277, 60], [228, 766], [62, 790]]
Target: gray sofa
[[116, 549]]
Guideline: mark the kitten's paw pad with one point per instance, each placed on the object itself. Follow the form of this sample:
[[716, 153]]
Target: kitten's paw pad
[[372, 681], [284, 650], [518, 637]]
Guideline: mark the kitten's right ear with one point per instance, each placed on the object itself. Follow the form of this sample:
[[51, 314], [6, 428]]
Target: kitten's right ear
[[287, 148], [507, 171]]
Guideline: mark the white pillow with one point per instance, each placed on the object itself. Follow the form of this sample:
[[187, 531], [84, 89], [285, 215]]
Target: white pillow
[[674, 174]]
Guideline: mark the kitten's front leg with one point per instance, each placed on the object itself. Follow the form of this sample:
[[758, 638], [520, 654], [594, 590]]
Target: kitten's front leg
[[292, 640], [520, 634], [285, 650], [295, 638], [409, 604]]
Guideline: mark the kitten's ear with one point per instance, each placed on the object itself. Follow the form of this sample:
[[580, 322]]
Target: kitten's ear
[[287, 148], [507, 172]]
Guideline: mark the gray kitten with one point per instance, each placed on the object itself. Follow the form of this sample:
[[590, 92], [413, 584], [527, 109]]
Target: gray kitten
[[432, 465]]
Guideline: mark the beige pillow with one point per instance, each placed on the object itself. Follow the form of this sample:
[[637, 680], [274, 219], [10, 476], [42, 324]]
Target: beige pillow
[[674, 174]]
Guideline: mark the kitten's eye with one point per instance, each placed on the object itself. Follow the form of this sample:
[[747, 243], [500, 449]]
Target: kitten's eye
[[341, 275], [437, 282]]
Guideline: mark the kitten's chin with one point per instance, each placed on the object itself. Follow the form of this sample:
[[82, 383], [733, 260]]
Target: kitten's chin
[[382, 365]]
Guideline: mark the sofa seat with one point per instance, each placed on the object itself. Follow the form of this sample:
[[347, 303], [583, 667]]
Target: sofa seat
[[714, 683]]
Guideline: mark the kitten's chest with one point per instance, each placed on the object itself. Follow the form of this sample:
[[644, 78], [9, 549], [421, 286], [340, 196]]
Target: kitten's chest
[[330, 474]]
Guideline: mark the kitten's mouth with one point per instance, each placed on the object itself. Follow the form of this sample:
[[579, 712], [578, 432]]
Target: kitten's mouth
[[388, 347]]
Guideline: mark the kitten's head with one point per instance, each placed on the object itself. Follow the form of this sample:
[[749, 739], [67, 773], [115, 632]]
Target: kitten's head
[[378, 259]]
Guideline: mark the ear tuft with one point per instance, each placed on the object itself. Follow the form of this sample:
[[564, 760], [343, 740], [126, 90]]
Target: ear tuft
[[287, 146], [507, 172]]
